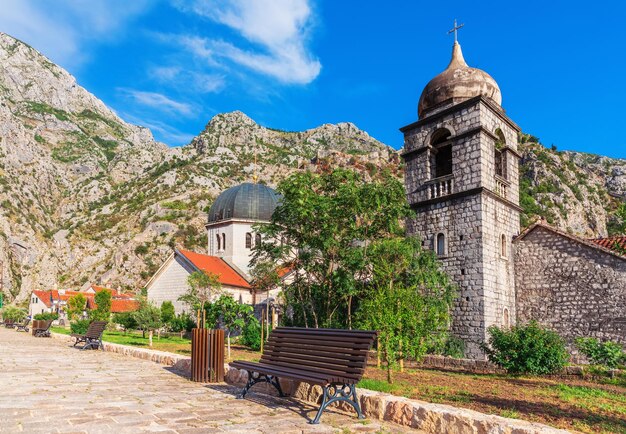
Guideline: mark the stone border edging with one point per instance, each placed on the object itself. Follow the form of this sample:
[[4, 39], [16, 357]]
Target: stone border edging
[[424, 416]]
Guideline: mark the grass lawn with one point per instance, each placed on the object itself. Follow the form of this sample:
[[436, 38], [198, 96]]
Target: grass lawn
[[164, 343], [576, 404]]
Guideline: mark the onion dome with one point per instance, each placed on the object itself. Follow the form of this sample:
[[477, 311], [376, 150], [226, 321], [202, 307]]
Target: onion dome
[[246, 201], [457, 83]]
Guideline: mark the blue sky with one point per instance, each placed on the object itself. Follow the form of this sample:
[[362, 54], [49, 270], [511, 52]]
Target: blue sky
[[296, 64]]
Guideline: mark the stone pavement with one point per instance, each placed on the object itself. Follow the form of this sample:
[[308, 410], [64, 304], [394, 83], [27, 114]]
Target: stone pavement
[[47, 386]]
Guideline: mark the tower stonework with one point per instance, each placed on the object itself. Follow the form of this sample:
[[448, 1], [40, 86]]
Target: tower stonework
[[462, 181]]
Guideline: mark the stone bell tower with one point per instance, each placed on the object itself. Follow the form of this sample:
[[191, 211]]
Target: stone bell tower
[[462, 181]]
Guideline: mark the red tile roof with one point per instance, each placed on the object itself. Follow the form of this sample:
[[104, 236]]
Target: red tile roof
[[119, 302], [212, 264], [44, 296], [119, 306], [616, 244]]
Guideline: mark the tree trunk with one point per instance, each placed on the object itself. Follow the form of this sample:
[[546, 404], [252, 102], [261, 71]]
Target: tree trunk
[[228, 340], [378, 352], [150, 338], [350, 312]]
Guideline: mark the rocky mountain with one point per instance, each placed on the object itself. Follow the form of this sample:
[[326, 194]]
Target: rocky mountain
[[581, 193], [86, 197]]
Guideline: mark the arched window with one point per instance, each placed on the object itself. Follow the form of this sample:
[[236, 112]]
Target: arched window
[[248, 240], [257, 240], [219, 242], [503, 249], [223, 241], [441, 245], [506, 321], [499, 157], [441, 153]]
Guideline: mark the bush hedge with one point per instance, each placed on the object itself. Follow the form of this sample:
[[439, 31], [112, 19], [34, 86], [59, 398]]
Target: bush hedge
[[608, 354], [46, 316], [526, 349]]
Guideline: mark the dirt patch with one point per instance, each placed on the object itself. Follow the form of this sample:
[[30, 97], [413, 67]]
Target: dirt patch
[[574, 404]]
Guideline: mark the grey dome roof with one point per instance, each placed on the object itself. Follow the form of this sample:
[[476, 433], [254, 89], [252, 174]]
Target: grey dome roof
[[245, 201], [457, 83]]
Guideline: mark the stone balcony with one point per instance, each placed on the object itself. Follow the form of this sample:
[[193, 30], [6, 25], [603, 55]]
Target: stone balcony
[[501, 187], [439, 187], [432, 189]]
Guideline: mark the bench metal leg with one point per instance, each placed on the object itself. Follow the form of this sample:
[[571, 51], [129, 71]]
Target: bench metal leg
[[255, 377], [336, 393]]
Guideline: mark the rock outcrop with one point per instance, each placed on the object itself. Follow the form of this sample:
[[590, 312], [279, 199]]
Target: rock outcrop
[[86, 197]]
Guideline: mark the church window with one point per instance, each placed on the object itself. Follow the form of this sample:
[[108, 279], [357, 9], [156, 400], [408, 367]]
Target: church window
[[506, 321], [223, 241], [248, 240], [441, 245], [443, 161], [257, 240], [462, 271], [219, 242], [503, 246], [499, 155], [441, 154]]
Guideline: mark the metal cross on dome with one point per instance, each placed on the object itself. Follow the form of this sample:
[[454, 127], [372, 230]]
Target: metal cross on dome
[[454, 30]]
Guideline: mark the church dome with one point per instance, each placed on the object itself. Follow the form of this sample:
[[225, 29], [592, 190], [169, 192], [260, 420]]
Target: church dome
[[457, 83], [245, 201]]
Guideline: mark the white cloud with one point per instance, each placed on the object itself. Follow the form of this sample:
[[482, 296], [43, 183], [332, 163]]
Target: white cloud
[[279, 28], [157, 101], [61, 28], [187, 80]]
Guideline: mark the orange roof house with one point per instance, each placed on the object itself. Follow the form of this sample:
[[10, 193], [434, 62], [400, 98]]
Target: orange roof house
[[53, 300], [170, 282]]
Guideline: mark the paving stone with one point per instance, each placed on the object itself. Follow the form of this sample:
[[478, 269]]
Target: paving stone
[[100, 392]]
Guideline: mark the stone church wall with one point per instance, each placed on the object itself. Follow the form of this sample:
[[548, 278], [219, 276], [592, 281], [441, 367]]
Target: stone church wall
[[460, 222], [575, 289]]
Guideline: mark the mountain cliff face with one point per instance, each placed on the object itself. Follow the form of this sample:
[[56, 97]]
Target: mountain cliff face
[[86, 197], [577, 192]]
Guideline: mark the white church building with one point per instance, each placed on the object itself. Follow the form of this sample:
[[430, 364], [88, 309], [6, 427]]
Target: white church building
[[231, 240]]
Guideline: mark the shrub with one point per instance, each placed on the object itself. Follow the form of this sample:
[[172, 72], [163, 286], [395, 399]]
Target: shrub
[[167, 312], [13, 313], [526, 349], [251, 334], [454, 347], [46, 316], [126, 320], [80, 326], [183, 322], [608, 354]]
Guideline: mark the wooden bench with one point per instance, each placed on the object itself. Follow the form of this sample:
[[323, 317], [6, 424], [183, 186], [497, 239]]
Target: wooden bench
[[333, 359], [93, 337], [23, 327]]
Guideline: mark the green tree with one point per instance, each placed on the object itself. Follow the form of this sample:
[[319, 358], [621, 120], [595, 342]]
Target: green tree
[[148, 318], [202, 288], [76, 305], [102, 312], [126, 320], [232, 315], [326, 223], [408, 300], [168, 313]]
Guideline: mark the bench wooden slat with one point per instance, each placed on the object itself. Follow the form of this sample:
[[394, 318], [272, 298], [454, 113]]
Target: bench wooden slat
[[341, 359]]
